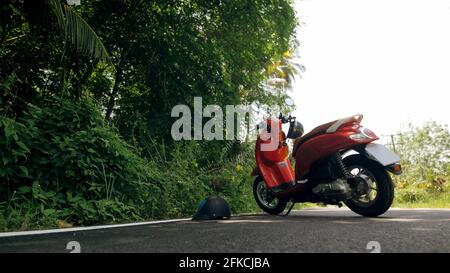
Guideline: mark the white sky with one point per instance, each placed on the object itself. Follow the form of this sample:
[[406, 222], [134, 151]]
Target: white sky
[[388, 60]]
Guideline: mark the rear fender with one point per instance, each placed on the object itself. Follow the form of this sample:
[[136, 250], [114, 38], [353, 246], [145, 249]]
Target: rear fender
[[383, 156]]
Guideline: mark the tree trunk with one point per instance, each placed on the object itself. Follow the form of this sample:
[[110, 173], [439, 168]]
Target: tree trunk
[[82, 81]]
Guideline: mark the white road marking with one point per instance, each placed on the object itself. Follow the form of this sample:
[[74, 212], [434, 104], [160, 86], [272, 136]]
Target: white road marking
[[75, 229]]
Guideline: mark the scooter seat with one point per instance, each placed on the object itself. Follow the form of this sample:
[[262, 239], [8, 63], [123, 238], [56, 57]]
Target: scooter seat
[[314, 132], [329, 127]]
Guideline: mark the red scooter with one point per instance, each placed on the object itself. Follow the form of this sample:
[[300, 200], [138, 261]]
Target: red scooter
[[335, 163]]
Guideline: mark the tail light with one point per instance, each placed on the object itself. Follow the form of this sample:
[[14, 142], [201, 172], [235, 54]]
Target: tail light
[[369, 133], [363, 134]]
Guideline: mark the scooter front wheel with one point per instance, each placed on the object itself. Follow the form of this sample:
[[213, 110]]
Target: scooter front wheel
[[270, 204]]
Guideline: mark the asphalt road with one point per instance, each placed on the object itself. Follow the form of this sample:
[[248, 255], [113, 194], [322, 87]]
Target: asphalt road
[[310, 230]]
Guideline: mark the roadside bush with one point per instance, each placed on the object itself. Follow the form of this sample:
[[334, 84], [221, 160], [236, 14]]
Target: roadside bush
[[411, 195], [61, 165], [62, 162], [425, 154], [184, 181], [437, 184]]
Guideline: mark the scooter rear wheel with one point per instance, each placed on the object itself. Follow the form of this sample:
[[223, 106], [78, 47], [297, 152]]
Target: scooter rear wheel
[[269, 204], [381, 194]]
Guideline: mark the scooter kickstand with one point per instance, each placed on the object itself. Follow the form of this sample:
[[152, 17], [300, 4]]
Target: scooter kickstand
[[290, 208]]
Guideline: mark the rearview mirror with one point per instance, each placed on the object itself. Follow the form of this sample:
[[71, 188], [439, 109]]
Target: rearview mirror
[[289, 102]]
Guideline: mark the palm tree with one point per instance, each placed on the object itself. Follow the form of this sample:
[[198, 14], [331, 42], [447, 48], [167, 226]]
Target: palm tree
[[281, 73], [74, 29]]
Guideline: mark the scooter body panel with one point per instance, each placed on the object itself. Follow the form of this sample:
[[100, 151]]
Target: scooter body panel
[[274, 165], [324, 145]]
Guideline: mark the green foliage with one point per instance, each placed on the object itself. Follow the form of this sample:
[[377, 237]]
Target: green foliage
[[78, 32], [64, 163], [184, 182], [63, 160], [411, 195], [168, 52], [45, 46], [425, 154], [42, 13], [414, 197], [83, 142], [425, 151], [164, 54]]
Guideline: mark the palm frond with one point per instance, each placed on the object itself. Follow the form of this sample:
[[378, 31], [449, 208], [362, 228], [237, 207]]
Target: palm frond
[[55, 6], [83, 37], [78, 32]]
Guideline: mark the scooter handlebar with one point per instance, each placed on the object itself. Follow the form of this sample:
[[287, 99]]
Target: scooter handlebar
[[285, 119]]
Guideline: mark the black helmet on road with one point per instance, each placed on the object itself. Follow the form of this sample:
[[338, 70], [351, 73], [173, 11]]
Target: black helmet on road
[[213, 208]]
